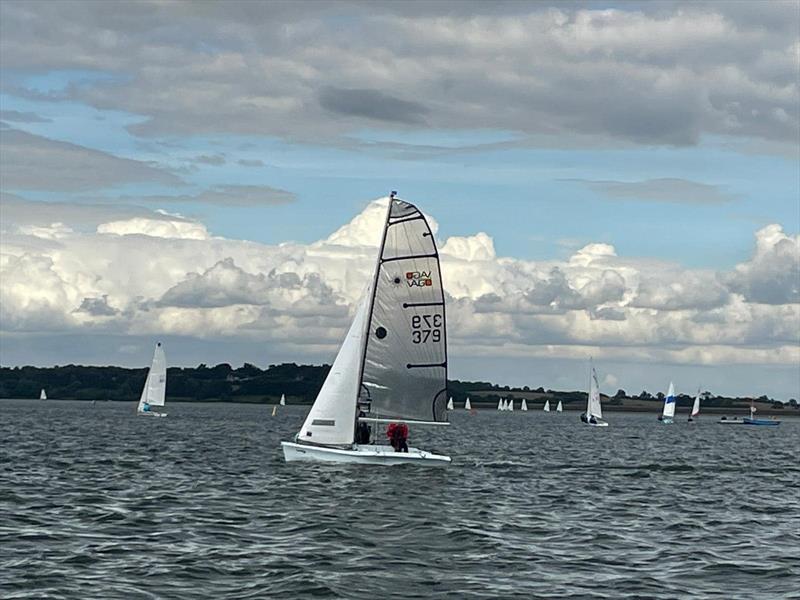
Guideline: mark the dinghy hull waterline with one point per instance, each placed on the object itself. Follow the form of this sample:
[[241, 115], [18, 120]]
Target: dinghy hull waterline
[[362, 454], [152, 414]]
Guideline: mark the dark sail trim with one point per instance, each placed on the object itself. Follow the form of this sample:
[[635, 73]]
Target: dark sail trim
[[409, 257], [406, 220], [415, 304]]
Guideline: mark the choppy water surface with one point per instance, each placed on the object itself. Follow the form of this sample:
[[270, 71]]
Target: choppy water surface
[[97, 503]]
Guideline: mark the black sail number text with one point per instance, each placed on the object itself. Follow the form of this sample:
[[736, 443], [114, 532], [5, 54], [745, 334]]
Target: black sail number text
[[426, 328]]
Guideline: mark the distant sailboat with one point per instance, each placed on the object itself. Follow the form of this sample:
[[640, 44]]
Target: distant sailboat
[[751, 420], [510, 404], [283, 400], [274, 409], [450, 404], [155, 386], [546, 406], [467, 404], [559, 408], [668, 414], [392, 365], [524, 405], [42, 395], [695, 407], [594, 411]]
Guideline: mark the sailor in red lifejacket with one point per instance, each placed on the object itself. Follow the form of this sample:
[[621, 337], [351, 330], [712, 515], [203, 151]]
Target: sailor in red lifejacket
[[398, 436]]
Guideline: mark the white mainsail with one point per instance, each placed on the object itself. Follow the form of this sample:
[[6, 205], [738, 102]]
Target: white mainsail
[[450, 404], [283, 400], [593, 408], [524, 405], [155, 386], [669, 403], [696, 405], [510, 404], [559, 408], [467, 404], [546, 406], [42, 395], [393, 362], [501, 405]]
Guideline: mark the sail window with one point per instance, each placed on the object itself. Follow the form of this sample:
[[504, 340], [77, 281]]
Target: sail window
[[380, 332]]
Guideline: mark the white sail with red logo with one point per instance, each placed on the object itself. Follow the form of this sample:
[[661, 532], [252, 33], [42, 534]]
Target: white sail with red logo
[[393, 363]]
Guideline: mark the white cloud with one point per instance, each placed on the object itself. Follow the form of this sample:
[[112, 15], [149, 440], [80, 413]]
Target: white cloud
[[166, 275]]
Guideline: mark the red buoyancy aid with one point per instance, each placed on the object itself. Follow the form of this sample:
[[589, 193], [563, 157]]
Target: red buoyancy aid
[[397, 431]]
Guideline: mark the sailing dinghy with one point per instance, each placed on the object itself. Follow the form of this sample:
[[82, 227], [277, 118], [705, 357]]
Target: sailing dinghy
[[668, 413], [392, 365], [559, 408], [594, 412], [155, 386], [467, 404], [524, 405], [42, 395], [450, 404], [751, 420], [546, 406], [283, 400], [695, 407]]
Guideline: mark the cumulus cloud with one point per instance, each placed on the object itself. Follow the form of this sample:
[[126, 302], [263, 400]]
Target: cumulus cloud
[[652, 74], [166, 275], [772, 276]]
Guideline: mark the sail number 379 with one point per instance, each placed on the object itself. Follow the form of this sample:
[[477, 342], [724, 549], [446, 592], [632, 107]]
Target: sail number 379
[[426, 328]]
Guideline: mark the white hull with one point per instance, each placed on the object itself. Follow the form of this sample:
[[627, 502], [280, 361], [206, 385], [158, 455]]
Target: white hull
[[368, 454], [151, 414], [597, 424]]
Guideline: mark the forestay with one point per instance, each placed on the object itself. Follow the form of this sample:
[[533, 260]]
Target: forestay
[[404, 366], [155, 386]]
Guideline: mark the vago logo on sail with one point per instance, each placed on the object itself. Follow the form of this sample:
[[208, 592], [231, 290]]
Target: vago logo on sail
[[419, 278]]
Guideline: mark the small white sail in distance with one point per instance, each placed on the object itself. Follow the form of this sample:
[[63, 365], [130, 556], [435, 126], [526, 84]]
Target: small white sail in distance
[[511, 404], [594, 408], [501, 405], [559, 408], [42, 395], [283, 400], [696, 405], [450, 403], [669, 403], [546, 406], [155, 386], [467, 404], [524, 405]]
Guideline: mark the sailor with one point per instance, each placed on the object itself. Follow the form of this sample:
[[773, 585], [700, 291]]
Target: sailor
[[363, 430], [398, 436], [145, 407]]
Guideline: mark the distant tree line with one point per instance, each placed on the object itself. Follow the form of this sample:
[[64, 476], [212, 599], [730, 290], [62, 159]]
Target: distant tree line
[[300, 384]]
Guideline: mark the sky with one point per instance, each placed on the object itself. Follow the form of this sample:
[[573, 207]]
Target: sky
[[618, 180]]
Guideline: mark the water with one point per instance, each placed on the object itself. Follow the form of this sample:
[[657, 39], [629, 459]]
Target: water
[[97, 503]]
